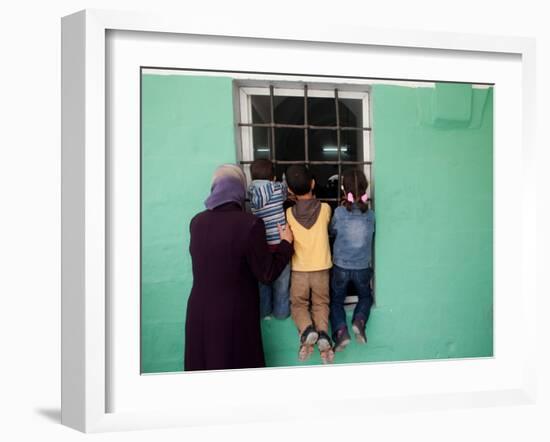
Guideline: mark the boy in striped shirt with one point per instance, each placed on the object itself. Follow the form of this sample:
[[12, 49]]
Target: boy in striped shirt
[[266, 202]]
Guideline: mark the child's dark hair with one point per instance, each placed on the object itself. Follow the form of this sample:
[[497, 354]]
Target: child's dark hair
[[262, 170], [355, 182], [298, 178]]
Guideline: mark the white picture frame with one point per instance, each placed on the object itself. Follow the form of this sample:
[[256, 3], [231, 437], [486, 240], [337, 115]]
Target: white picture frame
[[86, 203]]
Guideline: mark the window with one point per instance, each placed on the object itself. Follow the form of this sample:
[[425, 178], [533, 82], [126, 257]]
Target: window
[[325, 127], [322, 128]]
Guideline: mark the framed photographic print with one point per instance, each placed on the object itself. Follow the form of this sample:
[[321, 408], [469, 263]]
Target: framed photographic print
[[394, 159]]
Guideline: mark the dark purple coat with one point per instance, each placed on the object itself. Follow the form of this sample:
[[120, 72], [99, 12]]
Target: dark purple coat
[[230, 255]]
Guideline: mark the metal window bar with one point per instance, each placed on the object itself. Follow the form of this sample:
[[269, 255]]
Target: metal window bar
[[306, 141], [302, 126], [272, 112], [338, 150], [316, 162]]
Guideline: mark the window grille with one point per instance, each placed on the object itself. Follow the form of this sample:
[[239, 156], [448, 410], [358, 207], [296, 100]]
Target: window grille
[[339, 128]]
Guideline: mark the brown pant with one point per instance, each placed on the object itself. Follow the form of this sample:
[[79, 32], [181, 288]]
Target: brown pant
[[300, 285]]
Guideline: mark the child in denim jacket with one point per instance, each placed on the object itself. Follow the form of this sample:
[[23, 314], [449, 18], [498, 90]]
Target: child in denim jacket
[[353, 227]]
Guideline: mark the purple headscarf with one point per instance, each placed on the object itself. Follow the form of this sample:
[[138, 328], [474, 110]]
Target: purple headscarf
[[228, 186]]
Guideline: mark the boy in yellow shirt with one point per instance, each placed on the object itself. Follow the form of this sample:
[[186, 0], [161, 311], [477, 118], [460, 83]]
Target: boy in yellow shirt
[[309, 219]]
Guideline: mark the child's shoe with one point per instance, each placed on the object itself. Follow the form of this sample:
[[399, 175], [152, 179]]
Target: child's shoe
[[324, 342], [358, 327], [307, 340], [309, 336], [341, 339]]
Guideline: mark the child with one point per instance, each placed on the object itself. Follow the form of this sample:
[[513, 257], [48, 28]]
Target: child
[[309, 219], [353, 228], [266, 202]]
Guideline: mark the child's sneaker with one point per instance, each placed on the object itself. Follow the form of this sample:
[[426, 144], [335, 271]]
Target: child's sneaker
[[358, 327], [341, 339], [324, 342], [309, 336], [307, 340]]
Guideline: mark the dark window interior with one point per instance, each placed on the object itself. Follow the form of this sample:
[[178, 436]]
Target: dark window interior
[[309, 130]]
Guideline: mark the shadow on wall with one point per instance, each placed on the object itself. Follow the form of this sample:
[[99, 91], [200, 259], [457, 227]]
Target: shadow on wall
[[451, 106], [51, 414]]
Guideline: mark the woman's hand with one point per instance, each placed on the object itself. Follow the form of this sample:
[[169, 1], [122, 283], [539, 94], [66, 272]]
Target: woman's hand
[[286, 233]]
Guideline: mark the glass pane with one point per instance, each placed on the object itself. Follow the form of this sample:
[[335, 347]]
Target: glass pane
[[289, 110], [368, 173], [280, 170], [262, 142], [261, 112], [321, 111], [322, 145], [351, 142], [289, 144], [351, 112], [326, 181], [289, 147]]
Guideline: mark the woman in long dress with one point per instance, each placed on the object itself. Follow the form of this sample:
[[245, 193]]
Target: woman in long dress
[[229, 255]]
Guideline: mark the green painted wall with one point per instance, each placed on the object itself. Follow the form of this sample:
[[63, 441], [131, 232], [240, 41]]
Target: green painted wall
[[433, 174], [187, 131]]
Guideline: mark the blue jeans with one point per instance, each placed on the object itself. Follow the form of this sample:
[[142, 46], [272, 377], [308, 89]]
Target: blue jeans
[[274, 298], [340, 278]]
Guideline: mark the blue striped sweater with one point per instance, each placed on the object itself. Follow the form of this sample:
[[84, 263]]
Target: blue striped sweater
[[266, 202]]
